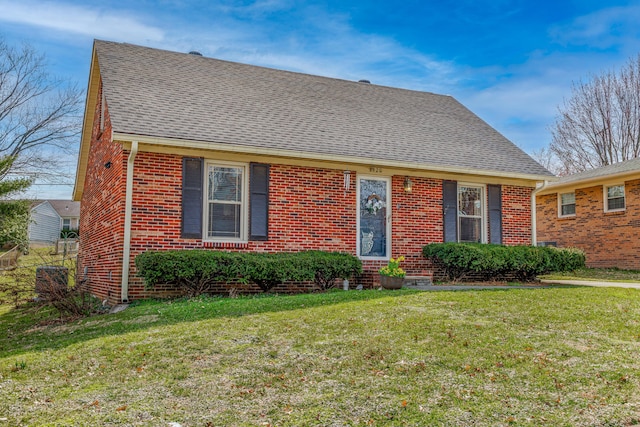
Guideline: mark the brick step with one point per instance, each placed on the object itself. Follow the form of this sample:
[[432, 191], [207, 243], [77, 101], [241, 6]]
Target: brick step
[[417, 282]]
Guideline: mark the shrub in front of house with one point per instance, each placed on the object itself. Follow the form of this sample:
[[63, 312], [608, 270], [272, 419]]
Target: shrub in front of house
[[460, 261], [268, 270], [329, 266], [195, 271]]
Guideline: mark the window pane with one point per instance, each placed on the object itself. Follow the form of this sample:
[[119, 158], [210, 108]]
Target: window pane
[[615, 191], [470, 201], [569, 209], [66, 224], [225, 184], [568, 198], [615, 197], [568, 204], [224, 220], [470, 230], [617, 203]]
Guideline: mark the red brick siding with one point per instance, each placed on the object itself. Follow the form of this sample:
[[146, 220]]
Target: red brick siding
[[516, 215], [102, 215], [416, 221], [309, 208], [609, 239]]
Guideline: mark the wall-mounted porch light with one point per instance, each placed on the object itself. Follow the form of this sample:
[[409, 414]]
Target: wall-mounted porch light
[[407, 185]]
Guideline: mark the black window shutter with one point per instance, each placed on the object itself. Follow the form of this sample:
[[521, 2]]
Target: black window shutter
[[192, 192], [259, 201], [495, 213], [450, 210]]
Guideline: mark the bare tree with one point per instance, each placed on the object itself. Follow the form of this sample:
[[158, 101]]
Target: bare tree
[[600, 124], [548, 160], [37, 114]]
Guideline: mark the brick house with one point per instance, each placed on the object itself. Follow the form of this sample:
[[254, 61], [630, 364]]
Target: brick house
[[597, 211], [182, 151]]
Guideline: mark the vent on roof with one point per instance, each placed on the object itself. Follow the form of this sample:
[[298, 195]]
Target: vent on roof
[[364, 81], [195, 52]]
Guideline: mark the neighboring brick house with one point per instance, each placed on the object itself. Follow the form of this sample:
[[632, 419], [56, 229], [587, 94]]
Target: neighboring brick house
[[597, 211], [182, 151]]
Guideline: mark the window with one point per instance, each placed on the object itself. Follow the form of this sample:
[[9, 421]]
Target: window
[[66, 223], [470, 214], [227, 202], [225, 208], [567, 204], [614, 198]]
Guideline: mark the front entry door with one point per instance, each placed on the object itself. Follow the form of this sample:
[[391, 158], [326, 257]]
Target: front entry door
[[374, 231]]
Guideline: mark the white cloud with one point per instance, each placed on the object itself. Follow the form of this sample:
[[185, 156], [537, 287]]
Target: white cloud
[[604, 28], [67, 18], [320, 43]]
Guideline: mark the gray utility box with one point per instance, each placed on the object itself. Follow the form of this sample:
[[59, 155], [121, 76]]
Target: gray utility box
[[51, 279]]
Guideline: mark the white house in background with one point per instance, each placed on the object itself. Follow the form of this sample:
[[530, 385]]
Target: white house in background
[[50, 217]]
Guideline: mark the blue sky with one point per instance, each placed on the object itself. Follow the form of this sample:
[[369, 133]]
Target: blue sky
[[511, 62]]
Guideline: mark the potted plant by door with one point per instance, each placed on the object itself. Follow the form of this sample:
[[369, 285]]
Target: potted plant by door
[[392, 275]]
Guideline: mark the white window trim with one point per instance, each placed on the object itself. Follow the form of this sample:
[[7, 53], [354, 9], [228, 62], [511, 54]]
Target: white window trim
[[485, 209], [560, 205], [389, 217], [605, 197], [244, 221]]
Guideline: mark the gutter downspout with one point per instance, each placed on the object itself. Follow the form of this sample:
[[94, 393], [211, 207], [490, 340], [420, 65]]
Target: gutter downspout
[[128, 202], [534, 227]]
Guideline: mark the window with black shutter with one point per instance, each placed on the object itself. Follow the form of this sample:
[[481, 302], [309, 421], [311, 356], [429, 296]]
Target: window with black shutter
[[259, 201], [192, 183], [494, 196], [450, 210]]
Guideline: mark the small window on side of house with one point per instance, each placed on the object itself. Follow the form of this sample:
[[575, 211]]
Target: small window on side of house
[[66, 223], [614, 198], [567, 204]]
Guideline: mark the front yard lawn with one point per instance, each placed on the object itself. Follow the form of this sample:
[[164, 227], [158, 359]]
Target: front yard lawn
[[546, 356]]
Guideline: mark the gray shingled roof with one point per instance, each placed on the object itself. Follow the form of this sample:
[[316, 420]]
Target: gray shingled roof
[[628, 166], [66, 208], [165, 94]]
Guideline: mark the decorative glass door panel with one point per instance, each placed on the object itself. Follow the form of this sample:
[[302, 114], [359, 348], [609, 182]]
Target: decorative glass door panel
[[373, 230]]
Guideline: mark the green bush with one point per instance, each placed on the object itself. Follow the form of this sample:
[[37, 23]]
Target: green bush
[[491, 262], [271, 269], [329, 266], [194, 270], [197, 270]]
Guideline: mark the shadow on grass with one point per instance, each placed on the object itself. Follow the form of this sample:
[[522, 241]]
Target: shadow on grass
[[31, 328]]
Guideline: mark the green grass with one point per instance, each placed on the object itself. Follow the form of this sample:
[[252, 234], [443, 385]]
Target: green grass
[[598, 274], [547, 356], [25, 274]]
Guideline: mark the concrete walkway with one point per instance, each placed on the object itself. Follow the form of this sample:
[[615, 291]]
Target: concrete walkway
[[593, 283], [469, 287], [543, 284]]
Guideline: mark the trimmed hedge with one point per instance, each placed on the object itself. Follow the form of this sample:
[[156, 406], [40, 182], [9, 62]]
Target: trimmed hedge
[[492, 262], [329, 266], [197, 270]]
